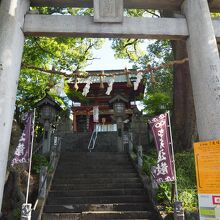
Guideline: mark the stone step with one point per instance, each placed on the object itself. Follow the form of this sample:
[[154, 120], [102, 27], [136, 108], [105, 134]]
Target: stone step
[[90, 170], [70, 186], [97, 199], [118, 161], [93, 166], [100, 166], [97, 180], [93, 158], [93, 161], [85, 157], [97, 185], [97, 207], [97, 149], [100, 155], [61, 175], [99, 215], [102, 192], [94, 155], [116, 215]]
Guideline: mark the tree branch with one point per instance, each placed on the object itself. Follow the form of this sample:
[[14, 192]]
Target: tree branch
[[152, 13]]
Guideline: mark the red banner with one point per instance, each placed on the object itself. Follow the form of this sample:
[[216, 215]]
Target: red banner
[[163, 172]]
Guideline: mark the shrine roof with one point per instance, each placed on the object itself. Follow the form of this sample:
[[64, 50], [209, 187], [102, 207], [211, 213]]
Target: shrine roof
[[120, 85], [93, 78]]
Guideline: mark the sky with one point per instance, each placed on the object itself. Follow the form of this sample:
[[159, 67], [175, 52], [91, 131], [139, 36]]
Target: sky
[[106, 59]]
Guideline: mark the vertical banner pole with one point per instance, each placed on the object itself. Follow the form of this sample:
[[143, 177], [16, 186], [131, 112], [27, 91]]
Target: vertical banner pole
[[30, 160], [172, 152]]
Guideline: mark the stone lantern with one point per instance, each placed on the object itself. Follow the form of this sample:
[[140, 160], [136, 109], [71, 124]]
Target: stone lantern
[[48, 111], [119, 106]]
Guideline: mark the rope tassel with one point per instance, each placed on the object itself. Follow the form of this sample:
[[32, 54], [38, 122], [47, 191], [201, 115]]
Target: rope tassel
[[76, 87], [129, 84], [110, 86], [87, 87], [138, 80], [101, 81], [152, 77]]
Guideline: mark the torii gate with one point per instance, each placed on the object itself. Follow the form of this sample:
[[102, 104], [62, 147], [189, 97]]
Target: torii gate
[[195, 26]]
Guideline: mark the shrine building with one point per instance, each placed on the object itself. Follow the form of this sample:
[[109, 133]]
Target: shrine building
[[101, 90]]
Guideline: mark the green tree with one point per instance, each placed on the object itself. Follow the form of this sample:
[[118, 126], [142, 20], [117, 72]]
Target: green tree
[[173, 82]]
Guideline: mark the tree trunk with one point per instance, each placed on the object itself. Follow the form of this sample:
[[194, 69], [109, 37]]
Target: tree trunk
[[184, 118]]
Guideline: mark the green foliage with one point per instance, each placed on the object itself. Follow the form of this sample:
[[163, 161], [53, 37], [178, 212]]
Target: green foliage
[[16, 214], [159, 94], [186, 179], [214, 15], [64, 11], [57, 53], [135, 12], [32, 87], [189, 199], [185, 169], [61, 53], [164, 194], [157, 103], [128, 49], [150, 159], [158, 97], [75, 95], [38, 161]]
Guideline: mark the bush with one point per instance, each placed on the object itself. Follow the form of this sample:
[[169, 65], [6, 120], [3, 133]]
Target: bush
[[38, 161], [186, 180], [149, 160]]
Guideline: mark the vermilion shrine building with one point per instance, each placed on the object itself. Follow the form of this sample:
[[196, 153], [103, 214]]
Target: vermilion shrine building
[[122, 90]]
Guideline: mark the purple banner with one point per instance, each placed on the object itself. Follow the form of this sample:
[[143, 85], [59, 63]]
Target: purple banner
[[22, 152], [163, 172]]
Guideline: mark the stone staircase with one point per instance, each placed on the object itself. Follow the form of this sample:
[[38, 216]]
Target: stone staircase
[[97, 185], [78, 142]]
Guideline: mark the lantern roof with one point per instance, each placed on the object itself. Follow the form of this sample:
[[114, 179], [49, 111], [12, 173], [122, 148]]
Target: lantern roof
[[48, 100], [118, 98]]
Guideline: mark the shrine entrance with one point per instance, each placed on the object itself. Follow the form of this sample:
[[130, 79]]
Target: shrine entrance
[[105, 89], [200, 33]]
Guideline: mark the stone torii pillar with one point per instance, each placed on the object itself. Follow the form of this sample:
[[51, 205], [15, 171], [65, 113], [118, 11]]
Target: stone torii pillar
[[204, 68], [12, 14]]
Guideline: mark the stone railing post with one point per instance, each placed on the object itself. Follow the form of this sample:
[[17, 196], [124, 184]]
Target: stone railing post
[[42, 182], [140, 157], [131, 147], [154, 184], [178, 211]]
